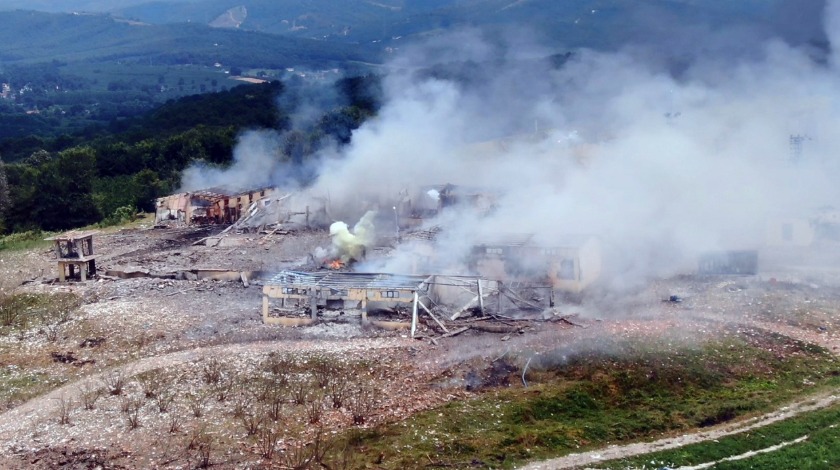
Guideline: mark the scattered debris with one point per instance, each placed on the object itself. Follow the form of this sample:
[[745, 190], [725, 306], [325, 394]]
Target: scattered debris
[[92, 342]]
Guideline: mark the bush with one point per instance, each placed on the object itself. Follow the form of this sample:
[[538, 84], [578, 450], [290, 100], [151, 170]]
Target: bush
[[121, 215], [22, 240]]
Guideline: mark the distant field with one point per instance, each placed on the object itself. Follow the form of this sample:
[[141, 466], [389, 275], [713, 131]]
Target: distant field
[[166, 81]]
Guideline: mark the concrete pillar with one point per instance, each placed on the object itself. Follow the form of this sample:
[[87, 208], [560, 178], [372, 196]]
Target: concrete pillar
[[265, 308], [313, 305], [480, 298], [414, 314], [364, 308]]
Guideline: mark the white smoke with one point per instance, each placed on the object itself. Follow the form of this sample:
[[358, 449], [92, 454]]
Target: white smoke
[[660, 165], [832, 30], [256, 163], [660, 168], [352, 246]]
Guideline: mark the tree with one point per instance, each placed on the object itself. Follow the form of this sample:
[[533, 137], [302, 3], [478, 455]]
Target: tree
[[65, 187], [23, 192], [148, 187], [5, 201]]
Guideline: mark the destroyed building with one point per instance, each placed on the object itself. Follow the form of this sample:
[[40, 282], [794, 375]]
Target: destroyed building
[[74, 253], [292, 210], [569, 264], [426, 202], [823, 225], [208, 206], [788, 232], [331, 290]]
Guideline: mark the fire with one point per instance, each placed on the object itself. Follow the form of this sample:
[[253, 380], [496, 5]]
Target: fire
[[335, 264]]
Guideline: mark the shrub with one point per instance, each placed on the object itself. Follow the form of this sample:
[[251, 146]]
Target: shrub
[[22, 240], [114, 382], [121, 215]]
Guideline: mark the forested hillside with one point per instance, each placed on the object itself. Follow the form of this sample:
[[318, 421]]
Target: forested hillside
[[107, 172], [63, 73], [100, 111]]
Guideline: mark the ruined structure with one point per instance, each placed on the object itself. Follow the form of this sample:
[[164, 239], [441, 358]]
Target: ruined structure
[[569, 264], [788, 232], [74, 251], [426, 202], [369, 291], [292, 210], [208, 206]]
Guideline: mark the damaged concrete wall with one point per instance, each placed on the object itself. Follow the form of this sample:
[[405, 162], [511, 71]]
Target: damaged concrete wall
[[571, 266], [172, 208], [211, 206], [457, 291], [573, 269], [790, 232]]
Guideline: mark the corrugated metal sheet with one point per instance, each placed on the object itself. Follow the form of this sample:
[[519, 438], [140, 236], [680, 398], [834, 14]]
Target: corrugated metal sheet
[[343, 280]]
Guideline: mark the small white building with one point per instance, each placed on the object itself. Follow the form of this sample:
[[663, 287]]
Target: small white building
[[790, 232]]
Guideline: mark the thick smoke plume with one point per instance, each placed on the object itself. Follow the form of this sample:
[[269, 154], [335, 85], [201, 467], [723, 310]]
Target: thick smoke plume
[[352, 246], [256, 163], [661, 166]]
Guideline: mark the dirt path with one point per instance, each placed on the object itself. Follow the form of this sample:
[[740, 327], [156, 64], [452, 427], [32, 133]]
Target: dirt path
[[630, 450], [29, 414], [595, 457]]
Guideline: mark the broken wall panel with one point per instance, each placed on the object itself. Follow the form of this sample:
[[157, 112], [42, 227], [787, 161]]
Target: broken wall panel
[[797, 232]]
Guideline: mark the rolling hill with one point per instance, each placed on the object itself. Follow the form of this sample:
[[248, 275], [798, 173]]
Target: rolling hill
[[31, 37], [568, 23], [603, 24]]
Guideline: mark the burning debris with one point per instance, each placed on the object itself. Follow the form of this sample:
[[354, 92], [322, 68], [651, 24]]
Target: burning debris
[[348, 247]]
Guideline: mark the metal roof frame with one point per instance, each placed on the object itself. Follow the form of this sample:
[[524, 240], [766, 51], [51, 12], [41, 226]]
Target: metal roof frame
[[345, 280]]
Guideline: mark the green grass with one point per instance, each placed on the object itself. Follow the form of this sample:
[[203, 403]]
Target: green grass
[[167, 81], [18, 386], [636, 391], [820, 450], [24, 241]]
